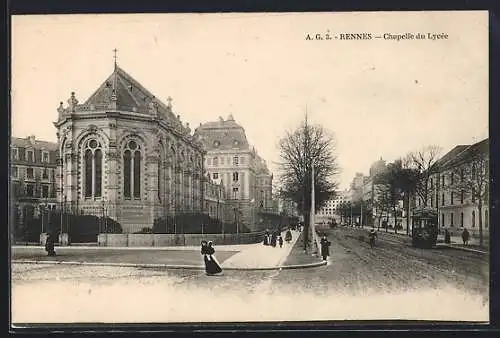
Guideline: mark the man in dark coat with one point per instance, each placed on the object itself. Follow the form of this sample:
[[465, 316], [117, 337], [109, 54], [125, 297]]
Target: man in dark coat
[[49, 245], [325, 247], [465, 236]]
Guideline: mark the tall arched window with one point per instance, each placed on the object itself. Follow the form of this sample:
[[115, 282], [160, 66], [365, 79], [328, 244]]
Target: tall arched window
[[93, 168], [132, 170], [473, 218], [159, 178]]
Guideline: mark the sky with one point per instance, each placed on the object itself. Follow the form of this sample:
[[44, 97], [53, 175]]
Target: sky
[[380, 97]]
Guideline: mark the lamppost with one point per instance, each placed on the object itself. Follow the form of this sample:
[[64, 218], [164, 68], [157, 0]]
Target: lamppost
[[104, 217], [350, 219], [236, 219], [63, 211], [42, 212], [217, 217]]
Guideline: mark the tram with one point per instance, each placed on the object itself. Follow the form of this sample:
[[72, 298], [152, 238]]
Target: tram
[[424, 227]]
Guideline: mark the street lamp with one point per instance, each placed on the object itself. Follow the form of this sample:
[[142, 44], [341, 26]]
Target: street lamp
[[236, 219], [104, 218], [350, 219], [62, 213]]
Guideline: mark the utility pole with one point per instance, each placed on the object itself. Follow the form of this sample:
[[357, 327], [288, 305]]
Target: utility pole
[[361, 216]]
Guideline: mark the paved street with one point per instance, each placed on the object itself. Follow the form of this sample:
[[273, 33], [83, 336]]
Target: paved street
[[393, 280]]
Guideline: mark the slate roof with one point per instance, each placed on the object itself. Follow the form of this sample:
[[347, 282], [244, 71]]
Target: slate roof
[[130, 95], [38, 144], [222, 135], [463, 153]]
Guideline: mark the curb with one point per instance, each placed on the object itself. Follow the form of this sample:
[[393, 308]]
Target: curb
[[173, 266], [464, 249]]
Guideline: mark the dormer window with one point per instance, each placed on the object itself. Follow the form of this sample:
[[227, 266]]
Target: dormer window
[[45, 156], [15, 154], [30, 156]]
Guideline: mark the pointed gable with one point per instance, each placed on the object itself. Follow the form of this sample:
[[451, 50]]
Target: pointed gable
[[129, 95]]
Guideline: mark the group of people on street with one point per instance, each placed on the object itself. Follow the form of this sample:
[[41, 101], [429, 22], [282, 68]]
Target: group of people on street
[[273, 238]]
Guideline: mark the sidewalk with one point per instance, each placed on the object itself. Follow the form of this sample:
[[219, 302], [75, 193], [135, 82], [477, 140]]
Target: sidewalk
[[260, 256], [231, 257]]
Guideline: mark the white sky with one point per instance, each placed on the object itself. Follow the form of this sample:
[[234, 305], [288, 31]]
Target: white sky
[[381, 98]]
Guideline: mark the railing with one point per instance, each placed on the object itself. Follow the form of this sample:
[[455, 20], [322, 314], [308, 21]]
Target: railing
[[125, 240]]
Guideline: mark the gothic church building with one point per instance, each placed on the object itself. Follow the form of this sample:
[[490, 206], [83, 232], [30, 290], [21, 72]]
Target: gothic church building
[[126, 154]]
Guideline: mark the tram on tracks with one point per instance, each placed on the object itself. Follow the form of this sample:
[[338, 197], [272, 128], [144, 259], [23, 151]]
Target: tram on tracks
[[424, 228]]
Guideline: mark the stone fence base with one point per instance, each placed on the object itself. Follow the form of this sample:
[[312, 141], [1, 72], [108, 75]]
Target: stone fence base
[[130, 240]]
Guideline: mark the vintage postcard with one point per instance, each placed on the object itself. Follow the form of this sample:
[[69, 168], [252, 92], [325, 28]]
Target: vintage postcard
[[249, 167]]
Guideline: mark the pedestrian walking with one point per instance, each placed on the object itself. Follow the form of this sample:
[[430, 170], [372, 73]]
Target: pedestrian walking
[[288, 236], [273, 240], [266, 238], [280, 241], [447, 237], [49, 245], [325, 247], [212, 267], [465, 236]]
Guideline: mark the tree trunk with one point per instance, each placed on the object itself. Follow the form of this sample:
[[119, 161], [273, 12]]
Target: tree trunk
[[408, 214], [305, 231], [395, 220], [480, 209]]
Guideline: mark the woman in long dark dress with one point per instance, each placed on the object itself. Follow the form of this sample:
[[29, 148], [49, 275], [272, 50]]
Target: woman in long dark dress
[[211, 265]]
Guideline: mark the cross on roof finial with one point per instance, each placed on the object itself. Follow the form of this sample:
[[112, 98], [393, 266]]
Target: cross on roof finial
[[115, 51]]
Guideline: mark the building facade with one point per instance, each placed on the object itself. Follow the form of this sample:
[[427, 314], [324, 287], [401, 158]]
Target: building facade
[[330, 210], [215, 200], [33, 167], [126, 151], [455, 190], [232, 162]]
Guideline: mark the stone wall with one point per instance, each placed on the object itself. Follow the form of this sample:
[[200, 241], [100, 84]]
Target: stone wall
[[144, 240]]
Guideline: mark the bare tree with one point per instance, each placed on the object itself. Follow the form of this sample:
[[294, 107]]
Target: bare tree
[[423, 162], [472, 178], [385, 201], [300, 149], [408, 184]]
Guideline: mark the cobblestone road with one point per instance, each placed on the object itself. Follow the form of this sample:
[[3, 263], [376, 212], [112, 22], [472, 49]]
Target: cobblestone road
[[391, 281]]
